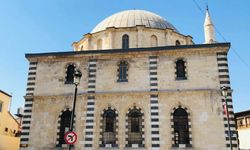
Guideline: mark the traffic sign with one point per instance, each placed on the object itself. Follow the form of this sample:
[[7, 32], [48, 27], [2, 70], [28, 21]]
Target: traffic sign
[[70, 137]]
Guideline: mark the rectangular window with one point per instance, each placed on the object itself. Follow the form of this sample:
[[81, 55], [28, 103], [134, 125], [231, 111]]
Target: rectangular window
[[1, 106]]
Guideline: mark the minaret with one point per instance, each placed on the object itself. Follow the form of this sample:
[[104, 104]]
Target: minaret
[[208, 29]]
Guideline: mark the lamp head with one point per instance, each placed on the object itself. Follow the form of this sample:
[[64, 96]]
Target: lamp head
[[77, 77], [224, 91]]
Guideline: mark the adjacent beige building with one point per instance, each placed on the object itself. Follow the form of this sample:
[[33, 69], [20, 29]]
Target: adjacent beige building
[[243, 128], [9, 127], [144, 86]]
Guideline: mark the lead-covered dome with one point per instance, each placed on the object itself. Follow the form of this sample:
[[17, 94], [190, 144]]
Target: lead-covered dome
[[132, 18]]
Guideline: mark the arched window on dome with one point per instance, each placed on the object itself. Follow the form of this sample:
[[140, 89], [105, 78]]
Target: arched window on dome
[[64, 124], [180, 70], [99, 44], [125, 41], [70, 74], [154, 41], [177, 42], [181, 127], [122, 71], [109, 128]]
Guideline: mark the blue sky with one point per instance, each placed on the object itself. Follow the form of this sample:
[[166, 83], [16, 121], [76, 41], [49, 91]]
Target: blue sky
[[44, 26]]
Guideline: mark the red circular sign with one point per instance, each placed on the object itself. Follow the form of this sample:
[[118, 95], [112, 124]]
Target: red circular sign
[[70, 137]]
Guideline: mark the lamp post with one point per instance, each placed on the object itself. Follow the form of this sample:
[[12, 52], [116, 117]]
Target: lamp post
[[224, 91], [77, 78]]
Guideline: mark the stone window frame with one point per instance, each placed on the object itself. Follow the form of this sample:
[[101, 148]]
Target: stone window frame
[[185, 69], [189, 127], [127, 145], [101, 144], [59, 125], [66, 74], [118, 71]]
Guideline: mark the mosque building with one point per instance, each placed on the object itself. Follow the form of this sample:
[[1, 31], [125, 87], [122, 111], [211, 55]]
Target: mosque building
[[144, 86]]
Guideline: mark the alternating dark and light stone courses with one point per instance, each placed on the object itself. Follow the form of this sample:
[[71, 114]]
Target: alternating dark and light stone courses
[[154, 105], [225, 82], [27, 118], [89, 122]]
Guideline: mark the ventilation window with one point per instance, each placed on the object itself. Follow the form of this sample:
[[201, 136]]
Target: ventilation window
[[125, 41], [123, 72], [70, 74]]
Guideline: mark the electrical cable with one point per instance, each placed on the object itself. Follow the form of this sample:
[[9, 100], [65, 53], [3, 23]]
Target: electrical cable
[[219, 33]]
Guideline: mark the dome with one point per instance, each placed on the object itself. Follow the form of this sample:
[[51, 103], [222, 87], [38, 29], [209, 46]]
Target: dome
[[132, 18]]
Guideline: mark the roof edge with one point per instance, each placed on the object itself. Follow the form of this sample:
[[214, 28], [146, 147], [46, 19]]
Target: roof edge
[[5, 93], [144, 49]]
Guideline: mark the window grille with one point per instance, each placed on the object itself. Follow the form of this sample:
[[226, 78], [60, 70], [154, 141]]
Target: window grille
[[180, 70], [122, 72], [181, 129], [70, 74], [64, 125]]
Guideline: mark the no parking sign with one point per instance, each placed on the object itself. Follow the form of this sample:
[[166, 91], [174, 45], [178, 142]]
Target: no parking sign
[[70, 137]]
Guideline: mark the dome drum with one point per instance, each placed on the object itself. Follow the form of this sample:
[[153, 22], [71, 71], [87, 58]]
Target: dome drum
[[139, 25]]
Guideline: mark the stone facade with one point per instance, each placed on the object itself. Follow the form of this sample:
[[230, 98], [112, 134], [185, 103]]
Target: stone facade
[[152, 88]]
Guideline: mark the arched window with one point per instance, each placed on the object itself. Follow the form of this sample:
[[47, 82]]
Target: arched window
[[181, 128], [109, 128], [135, 127], [99, 44], [122, 72], [180, 70], [177, 42], [64, 126], [125, 41], [70, 74], [154, 41]]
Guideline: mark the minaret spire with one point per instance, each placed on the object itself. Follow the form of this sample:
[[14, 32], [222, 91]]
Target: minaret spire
[[208, 28]]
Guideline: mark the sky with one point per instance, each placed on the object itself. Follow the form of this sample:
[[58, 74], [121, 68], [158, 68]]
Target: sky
[[39, 26]]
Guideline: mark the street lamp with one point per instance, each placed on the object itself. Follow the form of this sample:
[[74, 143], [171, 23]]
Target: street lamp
[[77, 78], [224, 91]]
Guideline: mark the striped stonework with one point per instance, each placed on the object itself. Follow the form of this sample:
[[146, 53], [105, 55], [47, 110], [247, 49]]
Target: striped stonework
[[142, 129], [154, 105], [58, 128], [28, 104], [89, 125], [101, 142], [153, 60], [225, 82], [189, 128]]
